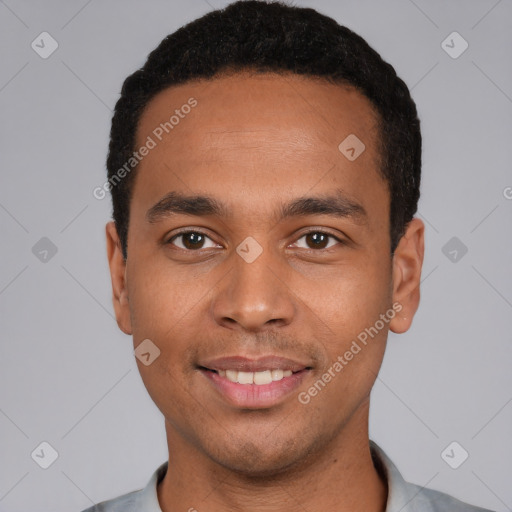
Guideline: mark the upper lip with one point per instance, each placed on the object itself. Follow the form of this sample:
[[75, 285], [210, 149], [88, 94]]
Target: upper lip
[[240, 363]]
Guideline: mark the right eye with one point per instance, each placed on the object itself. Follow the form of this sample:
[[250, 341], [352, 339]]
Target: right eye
[[191, 240]]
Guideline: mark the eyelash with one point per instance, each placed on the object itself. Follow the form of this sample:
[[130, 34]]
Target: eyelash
[[199, 232]]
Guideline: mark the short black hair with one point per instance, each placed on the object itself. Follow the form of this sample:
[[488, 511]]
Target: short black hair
[[274, 37]]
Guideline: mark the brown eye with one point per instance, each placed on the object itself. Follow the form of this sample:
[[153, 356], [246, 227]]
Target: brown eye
[[190, 240], [318, 240]]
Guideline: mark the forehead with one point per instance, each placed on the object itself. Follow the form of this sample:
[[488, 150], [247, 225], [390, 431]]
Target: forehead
[[245, 103], [259, 133]]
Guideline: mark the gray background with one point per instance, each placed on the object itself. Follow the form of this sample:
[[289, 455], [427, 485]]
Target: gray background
[[68, 375]]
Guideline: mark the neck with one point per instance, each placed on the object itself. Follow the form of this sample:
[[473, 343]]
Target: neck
[[341, 477]]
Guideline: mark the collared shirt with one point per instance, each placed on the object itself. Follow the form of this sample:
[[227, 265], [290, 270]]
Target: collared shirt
[[402, 496]]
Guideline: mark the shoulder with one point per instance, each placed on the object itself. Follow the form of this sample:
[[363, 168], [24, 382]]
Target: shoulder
[[404, 496], [142, 500], [430, 500], [124, 503]]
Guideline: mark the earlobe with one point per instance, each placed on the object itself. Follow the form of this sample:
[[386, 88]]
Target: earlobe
[[407, 264], [117, 266]]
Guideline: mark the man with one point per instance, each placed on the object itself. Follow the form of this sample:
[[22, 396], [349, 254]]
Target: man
[[264, 166]]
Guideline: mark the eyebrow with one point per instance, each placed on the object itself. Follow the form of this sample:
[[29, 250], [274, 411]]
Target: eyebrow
[[337, 205]]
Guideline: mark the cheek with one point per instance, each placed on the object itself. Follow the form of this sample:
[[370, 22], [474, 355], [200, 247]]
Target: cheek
[[162, 305], [350, 298], [162, 299], [356, 305]]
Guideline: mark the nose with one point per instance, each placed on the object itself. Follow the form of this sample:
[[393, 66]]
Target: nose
[[255, 296]]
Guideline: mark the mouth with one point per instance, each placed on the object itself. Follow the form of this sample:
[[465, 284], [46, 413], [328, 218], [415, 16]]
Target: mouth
[[259, 378], [254, 384]]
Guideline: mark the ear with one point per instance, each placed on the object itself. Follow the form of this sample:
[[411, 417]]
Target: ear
[[117, 266], [407, 264]]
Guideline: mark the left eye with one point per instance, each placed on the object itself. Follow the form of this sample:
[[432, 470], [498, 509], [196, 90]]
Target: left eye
[[318, 240]]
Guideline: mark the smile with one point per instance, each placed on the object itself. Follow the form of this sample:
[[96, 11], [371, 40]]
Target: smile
[[258, 378], [254, 384]]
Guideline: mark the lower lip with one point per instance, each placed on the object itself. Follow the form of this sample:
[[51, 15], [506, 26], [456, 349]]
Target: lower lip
[[254, 396]]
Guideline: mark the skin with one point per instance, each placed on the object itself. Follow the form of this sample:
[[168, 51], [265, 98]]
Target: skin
[[254, 142]]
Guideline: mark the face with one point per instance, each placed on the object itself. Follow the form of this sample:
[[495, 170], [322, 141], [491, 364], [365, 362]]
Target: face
[[258, 251]]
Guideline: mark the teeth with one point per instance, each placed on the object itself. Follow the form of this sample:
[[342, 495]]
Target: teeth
[[259, 378], [232, 375], [262, 377], [277, 374], [245, 377]]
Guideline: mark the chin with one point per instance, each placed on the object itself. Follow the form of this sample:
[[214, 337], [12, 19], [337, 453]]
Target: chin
[[255, 468], [261, 460]]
